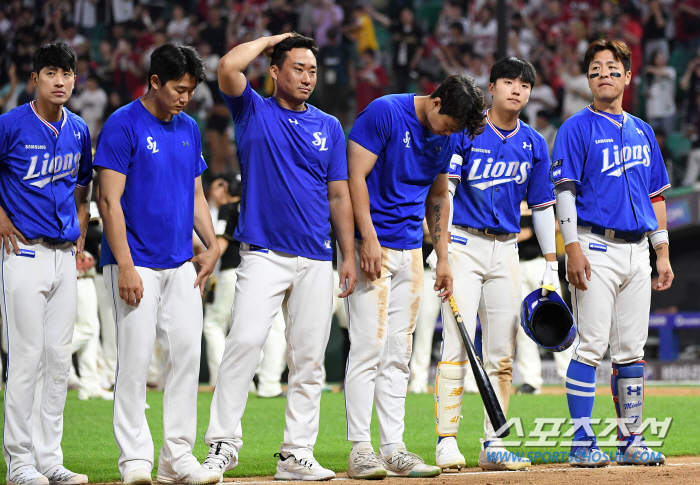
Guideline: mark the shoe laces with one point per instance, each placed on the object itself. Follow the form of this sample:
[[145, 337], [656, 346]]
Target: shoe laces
[[220, 456], [366, 457], [405, 456], [62, 474], [25, 476], [305, 462]]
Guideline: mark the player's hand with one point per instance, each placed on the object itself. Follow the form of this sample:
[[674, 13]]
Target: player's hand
[[272, 41], [443, 279], [663, 266], [130, 285], [578, 270], [9, 233], [371, 258], [206, 260], [348, 277], [83, 220], [550, 278]]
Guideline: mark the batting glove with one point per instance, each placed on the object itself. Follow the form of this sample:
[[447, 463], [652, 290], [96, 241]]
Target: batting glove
[[550, 279], [432, 259]]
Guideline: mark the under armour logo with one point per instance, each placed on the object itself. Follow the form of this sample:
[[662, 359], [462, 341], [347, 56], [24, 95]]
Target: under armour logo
[[77, 135], [327, 244], [293, 121], [407, 140], [636, 389], [438, 149], [562, 221], [525, 145], [640, 131], [185, 144]]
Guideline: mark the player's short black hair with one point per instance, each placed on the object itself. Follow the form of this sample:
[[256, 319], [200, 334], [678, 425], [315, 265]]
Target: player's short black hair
[[619, 49], [462, 101], [170, 62], [56, 54], [296, 41], [513, 68]]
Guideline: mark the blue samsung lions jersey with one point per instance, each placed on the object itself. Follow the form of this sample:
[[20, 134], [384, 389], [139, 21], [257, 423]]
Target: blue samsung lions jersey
[[287, 159], [616, 165], [161, 160], [497, 170], [409, 158], [40, 166]]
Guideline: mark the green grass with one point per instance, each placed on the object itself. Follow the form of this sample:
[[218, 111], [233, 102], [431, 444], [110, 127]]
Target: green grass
[[89, 447]]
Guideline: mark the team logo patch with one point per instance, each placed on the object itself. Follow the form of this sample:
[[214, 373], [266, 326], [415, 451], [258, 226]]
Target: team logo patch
[[598, 247], [555, 170], [459, 240], [27, 253]]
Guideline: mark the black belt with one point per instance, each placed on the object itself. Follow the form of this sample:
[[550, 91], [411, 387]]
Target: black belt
[[49, 240], [625, 236], [492, 232]]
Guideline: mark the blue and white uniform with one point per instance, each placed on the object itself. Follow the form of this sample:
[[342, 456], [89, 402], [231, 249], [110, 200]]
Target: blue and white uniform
[[287, 160], [382, 313], [612, 165], [41, 164], [493, 174], [160, 161]]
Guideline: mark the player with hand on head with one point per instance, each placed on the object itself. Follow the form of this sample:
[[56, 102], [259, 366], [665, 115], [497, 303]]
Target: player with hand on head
[[149, 160], [398, 158], [489, 177], [45, 177], [609, 176], [294, 174]]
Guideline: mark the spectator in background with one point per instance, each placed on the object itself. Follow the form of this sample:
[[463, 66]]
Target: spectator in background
[[577, 94], [215, 32], [105, 68], [526, 33], [362, 30], [122, 11], [544, 126], [688, 23], [661, 94], [603, 21], [326, 15], [542, 97], [372, 80], [10, 92], [667, 156], [177, 27], [337, 74], [693, 166], [129, 78], [485, 32], [90, 104], [450, 14], [654, 22], [690, 83]]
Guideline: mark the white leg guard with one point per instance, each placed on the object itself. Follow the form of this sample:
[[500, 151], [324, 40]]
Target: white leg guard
[[449, 387]]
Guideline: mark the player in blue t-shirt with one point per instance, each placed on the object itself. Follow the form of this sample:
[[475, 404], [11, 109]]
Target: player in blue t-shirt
[[490, 176], [45, 178], [294, 175], [398, 158], [149, 159], [609, 177]]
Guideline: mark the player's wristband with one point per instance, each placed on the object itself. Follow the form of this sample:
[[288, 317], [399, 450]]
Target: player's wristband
[[658, 237]]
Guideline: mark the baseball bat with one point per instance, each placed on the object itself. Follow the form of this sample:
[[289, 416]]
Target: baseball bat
[[488, 395]]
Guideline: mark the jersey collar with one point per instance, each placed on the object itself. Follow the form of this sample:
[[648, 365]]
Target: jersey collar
[[55, 131], [498, 132], [595, 111]]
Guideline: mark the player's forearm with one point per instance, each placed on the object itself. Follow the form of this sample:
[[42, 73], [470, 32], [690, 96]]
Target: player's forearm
[[223, 244], [237, 59], [342, 221], [543, 220], [437, 211], [659, 238], [359, 196], [115, 231]]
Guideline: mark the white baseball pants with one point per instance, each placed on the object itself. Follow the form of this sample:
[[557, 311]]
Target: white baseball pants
[[486, 280], [105, 308], [527, 352], [86, 337], [38, 306], [303, 288], [382, 316], [171, 312], [423, 335], [614, 310]]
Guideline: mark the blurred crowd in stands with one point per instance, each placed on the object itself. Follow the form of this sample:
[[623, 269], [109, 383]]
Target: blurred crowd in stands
[[370, 48]]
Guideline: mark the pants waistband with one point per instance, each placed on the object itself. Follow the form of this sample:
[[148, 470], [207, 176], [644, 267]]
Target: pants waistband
[[500, 235], [49, 241], [613, 234]]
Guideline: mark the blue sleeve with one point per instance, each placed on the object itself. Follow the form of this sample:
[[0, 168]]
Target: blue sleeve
[[338, 166], [200, 164], [114, 146], [448, 151], [4, 136], [85, 169], [244, 106], [658, 179], [460, 147], [372, 128], [540, 190], [569, 153]]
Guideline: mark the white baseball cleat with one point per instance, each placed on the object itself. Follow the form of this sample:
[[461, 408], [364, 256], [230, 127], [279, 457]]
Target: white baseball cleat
[[588, 457], [639, 454], [101, 394], [222, 457], [28, 476], [402, 463], [289, 467], [494, 456], [137, 477], [365, 464], [447, 455], [200, 476], [63, 476]]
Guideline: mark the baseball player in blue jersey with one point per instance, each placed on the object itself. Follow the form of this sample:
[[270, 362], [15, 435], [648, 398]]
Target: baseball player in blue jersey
[[398, 158], [149, 160], [294, 175], [609, 177], [489, 177], [45, 175]]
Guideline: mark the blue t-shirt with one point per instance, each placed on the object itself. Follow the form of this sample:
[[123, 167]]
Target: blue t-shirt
[[287, 159], [40, 166], [616, 165], [497, 170], [161, 160], [409, 159]]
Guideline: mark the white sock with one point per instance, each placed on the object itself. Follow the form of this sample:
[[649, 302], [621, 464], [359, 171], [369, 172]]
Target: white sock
[[358, 443], [387, 449]]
